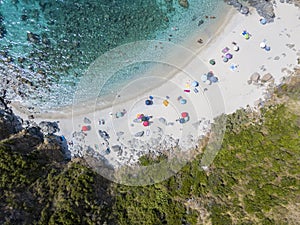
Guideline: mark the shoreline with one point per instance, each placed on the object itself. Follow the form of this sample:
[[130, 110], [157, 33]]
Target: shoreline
[[233, 91], [189, 46]]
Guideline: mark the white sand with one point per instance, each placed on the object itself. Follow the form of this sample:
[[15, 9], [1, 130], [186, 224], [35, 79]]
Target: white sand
[[229, 94]]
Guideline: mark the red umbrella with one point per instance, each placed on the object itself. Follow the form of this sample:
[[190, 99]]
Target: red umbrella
[[146, 123], [184, 114], [85, 128]]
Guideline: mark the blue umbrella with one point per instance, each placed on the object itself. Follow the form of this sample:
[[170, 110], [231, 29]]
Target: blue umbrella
[[263, 21], [181, 120], [195, 84], [148, 102], [267, 48], [182, 101], [204, 77], [214, 79]]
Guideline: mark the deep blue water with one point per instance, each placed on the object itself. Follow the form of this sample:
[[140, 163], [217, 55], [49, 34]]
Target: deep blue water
[[67, 36]]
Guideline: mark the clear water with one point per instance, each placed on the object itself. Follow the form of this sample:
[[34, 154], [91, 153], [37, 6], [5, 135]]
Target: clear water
[[72, 34]]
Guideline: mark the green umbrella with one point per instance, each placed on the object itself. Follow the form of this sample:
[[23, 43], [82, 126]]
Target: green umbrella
[[212, 62]]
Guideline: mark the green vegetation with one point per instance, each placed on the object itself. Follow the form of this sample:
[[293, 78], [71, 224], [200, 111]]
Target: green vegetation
[[255, 179], [37, 190]]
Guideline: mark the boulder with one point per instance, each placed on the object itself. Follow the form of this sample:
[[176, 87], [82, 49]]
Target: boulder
[[255, 77], [139, 134], [86, 120], [267, 77], [183, 3]]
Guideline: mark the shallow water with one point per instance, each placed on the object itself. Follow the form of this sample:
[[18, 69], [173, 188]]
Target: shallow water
[[72, 34]]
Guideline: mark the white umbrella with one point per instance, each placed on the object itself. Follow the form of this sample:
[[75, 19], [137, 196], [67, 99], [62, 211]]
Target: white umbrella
[[262, 45], [236, 48]]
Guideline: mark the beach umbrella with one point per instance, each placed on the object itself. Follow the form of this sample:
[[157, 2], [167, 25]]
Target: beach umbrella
[[267, 48], [226, 49], [236, 48], [184, 114], [148, 102], [214, 79], [263, 21], [228, 56], [165, 102], [204, 77], [195, 84], [262, 45], [186, 119], [182, 101], [181, 120], [212, 62], [146, 123], [145, 118], [225, 59], [208, 82], [119, 114], [85, 128], [232, 67], [151, 97], [210, 74]]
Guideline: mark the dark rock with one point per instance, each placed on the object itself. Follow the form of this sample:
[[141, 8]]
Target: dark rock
[[21, 59], [24, 17], [2, 31], [200, 22], [45, 40]]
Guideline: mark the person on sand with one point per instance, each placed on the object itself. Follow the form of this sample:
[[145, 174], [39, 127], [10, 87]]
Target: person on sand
[[200, 41]]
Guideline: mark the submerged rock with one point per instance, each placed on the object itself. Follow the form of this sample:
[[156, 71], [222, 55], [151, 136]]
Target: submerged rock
[[183, 3], [33, 38]]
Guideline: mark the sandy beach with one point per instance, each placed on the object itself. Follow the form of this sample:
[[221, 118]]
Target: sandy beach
[[124, 137]]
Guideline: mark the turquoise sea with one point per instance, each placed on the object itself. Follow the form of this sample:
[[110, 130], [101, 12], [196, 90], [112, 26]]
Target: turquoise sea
[[53, 42]]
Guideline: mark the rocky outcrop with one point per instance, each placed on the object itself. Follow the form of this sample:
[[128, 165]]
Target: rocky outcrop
[[264, 7], [48, 128]]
